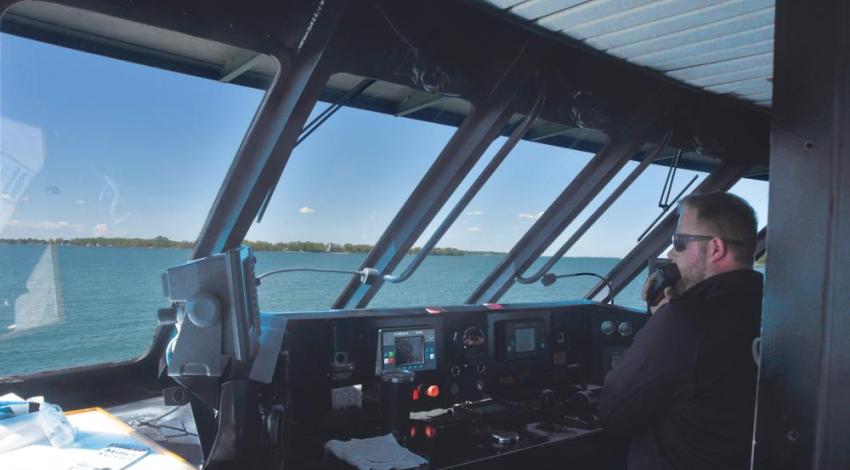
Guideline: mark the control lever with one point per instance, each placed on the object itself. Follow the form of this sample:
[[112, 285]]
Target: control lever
[[547, 399], [548, 423]]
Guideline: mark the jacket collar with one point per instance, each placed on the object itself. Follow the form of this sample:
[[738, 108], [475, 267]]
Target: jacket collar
[[743, 281]]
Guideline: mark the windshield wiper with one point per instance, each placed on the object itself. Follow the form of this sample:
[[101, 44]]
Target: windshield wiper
[[664, 202]]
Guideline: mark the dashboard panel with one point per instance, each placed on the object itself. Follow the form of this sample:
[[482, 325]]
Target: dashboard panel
[[467, 353], [484, 379]]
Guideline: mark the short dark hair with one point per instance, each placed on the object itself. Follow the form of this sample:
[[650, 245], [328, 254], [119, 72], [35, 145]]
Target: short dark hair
[[728, 217]]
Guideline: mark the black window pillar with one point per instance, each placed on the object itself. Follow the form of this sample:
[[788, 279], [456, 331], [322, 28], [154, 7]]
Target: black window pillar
[[803, 417], [272, 136]]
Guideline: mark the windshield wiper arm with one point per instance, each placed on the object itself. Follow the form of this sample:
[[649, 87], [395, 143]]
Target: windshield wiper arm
[[479, 182], [311, 127]]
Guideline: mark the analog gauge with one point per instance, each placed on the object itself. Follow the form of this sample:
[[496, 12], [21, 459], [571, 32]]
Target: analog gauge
[[625, 329], [608, 327], [474, 342]]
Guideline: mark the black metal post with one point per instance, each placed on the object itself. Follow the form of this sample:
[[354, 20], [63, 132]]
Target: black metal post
[[263, 154], [460, 154], [803, 418], [567, 206], [631, 265]]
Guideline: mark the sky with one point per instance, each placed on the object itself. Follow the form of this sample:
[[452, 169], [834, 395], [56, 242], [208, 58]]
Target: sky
[[93, 146]]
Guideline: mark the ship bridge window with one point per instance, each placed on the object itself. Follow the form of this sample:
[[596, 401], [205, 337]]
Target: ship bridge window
[[344, 183], [610, 237], [107, 169], [510, 202], [755, 191]]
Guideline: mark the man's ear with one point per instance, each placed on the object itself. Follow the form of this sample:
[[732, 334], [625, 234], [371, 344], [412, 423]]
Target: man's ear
[[717, 249]]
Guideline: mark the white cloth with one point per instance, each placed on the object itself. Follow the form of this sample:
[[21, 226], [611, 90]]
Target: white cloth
[[374, 453]]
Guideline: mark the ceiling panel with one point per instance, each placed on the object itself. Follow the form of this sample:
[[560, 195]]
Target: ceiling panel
[[724, 47]]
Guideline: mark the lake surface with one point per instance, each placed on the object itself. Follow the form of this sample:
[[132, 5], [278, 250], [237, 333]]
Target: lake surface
[[70, 305]]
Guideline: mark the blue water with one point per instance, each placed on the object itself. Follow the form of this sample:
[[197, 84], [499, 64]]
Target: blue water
[[109, 296]]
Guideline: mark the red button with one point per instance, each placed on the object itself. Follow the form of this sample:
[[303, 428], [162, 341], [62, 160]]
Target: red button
[[430, 431], [433, 391], [415, 394]]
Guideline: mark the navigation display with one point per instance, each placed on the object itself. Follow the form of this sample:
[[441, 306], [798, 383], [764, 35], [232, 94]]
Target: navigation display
[[524, 339], [520, 339], [408, 349]]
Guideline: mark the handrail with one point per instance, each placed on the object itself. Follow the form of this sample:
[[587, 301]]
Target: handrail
[[598, 212], [479, 182]]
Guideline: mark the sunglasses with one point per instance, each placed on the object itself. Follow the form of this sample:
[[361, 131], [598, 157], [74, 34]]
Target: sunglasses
[[681, 240]]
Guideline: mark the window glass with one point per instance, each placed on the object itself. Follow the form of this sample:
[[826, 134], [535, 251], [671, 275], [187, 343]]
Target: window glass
[[340, 190], [756, 193], [613, 235], [514, 197], [108, 171]]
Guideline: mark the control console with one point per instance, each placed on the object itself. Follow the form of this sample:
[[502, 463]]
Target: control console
[[479, 381]]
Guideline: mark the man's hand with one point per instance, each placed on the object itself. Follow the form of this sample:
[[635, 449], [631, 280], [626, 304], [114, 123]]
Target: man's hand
[[669, 293]]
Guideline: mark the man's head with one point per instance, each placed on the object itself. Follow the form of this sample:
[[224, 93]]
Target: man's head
[[722, 229]]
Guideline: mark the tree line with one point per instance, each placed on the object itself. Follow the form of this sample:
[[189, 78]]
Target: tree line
[[164, 242]]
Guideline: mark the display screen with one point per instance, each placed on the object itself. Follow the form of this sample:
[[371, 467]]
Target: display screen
[[520, 339], [409, 350], [525, 339]]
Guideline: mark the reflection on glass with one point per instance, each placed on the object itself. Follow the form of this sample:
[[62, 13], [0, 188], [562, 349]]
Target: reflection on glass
[[107, 171], [40, 302]]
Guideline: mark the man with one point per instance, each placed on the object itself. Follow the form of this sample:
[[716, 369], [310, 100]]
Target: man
[[685, 390]]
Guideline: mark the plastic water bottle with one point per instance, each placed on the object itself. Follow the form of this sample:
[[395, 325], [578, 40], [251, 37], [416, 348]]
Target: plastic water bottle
[[55, 425]]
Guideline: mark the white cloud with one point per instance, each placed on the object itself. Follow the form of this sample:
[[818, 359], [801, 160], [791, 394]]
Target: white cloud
[[40, 225], [80, 202], [100, 229], [473, 229], [475, 213], [17, 228], [531, 216], [306, 210]]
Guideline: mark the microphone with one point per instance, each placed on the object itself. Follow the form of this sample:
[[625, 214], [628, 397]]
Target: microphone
[[549, 278]]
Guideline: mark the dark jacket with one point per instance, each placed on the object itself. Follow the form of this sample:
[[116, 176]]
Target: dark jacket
[[685, 389]]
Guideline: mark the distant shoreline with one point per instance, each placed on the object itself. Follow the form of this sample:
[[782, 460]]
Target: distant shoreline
[[289, 247]]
